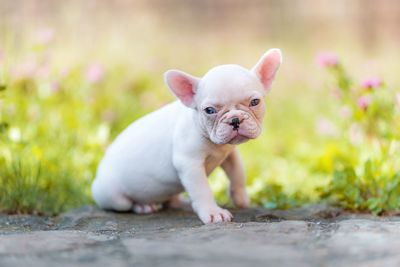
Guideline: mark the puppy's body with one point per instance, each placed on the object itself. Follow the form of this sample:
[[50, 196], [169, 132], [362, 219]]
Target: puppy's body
[[175, 148], [144, 172], [141, 171]]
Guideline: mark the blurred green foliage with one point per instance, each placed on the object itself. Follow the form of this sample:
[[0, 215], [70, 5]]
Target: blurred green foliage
[[56, 120]]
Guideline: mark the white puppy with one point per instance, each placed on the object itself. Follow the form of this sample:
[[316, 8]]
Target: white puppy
[[175, 148]]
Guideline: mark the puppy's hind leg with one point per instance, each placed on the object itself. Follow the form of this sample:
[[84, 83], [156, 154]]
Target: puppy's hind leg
[[110, 199], [121, 203]]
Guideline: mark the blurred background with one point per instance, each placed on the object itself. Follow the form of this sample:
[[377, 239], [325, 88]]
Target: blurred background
[[74, 74]]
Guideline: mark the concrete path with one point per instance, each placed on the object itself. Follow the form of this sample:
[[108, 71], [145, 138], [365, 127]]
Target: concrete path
[[313, 236]]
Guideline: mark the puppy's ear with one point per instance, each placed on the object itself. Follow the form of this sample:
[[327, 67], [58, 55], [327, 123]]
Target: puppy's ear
[[183, 85], [267, 66]]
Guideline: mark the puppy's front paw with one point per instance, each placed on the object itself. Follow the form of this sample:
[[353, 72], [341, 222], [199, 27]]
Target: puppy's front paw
[[240, 198], [214, 215]]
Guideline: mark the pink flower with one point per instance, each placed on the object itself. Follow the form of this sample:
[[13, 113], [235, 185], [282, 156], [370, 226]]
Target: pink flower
[[94, 73], [363, 102], [398, 99], [326, 127], [326, 59], [369, 83], [45, 36], [26, 70]]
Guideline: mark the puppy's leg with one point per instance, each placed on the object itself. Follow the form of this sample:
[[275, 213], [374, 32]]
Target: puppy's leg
[[194, 180], [108, 196], [117, 202], [234, 169], [177, 202]]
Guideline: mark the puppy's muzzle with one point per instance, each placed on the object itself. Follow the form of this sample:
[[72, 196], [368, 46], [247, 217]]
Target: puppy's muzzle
[[235, 123]]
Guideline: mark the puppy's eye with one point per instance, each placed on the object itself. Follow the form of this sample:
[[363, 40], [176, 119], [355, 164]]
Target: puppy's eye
[[210, 110], [254, 102]]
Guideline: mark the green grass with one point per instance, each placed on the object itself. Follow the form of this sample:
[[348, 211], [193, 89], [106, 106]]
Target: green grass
[[30, 188]]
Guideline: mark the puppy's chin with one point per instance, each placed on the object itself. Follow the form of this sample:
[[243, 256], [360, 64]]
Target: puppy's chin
[[239, 139], [234, 139]]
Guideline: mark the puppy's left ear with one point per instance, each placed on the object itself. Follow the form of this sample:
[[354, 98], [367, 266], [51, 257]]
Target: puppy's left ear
[[267, 66], [183, 85]]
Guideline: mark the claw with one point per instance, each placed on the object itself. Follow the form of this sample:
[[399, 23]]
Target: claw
[[215, 215]]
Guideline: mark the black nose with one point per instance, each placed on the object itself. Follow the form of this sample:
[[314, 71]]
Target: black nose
[[235, 123]]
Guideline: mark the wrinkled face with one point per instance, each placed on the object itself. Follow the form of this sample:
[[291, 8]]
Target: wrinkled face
[[230, 106], [229, 99]]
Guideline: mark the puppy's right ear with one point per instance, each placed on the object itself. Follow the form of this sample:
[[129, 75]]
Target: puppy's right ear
[[183, 85]]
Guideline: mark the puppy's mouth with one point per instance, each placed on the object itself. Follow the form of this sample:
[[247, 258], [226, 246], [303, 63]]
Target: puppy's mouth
[[231, 131], [233, 138]]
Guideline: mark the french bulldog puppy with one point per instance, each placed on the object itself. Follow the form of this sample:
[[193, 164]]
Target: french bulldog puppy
[[175, 148]]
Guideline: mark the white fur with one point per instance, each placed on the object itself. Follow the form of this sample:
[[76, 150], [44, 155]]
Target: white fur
[[175, 148]]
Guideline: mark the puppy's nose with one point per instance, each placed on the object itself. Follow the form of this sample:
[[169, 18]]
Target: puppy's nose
[[235, 123]]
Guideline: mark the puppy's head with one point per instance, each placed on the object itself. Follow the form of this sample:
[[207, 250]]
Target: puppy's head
[[228, 100]]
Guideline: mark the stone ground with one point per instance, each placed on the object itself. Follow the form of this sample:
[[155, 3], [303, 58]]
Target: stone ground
[[312, 236]]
